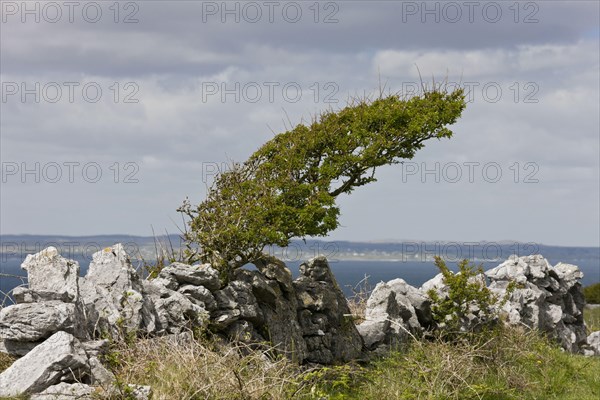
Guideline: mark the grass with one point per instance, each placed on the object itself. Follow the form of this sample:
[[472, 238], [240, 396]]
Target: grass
[[5, 361], [592, 293], [592, 318], [204, 369], [358, 301], [507, 363], [501, 364], [504, 363]]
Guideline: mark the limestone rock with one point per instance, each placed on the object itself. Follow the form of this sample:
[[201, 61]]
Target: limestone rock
[[390, 317], [32, 322], [52, 277], [374, 332], [547, 298], [199, 295], [243, 331], [593, 341], [168, 281], [512, 269], [276, 298], [436, 283], [172, 312], [236, 301], [24, 295], [49, 304], [112, 294], [324, 315], [199, 275], [60, 357], [95, 348], [65, 391], [568, 274], [16, 348], [416, 298], [99, 374], [381, 310], [139, 392]]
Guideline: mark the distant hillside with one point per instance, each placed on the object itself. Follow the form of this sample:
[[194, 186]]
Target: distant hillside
[[21, 245]]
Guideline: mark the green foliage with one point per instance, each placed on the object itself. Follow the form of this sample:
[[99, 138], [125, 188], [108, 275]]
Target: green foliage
[[592, 293], [288, 188], [591, 316], [467, 294], [330, 382]]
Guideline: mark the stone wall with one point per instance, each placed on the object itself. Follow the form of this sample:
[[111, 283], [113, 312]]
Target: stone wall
[[548, 299], [60, 320], [306, 319]]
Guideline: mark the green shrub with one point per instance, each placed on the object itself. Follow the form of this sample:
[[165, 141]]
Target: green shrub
[[592, 293], [467, 294]]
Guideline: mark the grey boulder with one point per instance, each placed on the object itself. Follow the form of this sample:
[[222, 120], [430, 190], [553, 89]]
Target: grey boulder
[[50, 277], [59, 358], [32, 322], [593, 341], [112, 294], [65, 391], [171, 312], [327, 325], [199, 275], [391, 317], [548, 299]]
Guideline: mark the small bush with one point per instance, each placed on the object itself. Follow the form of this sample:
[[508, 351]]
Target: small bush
[[467, 295], [592, 293]]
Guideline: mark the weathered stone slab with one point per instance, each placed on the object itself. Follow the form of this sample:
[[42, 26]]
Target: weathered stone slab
[[60, 357]]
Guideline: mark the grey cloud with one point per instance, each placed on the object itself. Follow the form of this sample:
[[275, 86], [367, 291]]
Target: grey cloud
[[175, 30], [172, 134]]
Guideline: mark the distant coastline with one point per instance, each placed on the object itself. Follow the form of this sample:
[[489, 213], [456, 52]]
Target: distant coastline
[[409, 250], [350, 261]]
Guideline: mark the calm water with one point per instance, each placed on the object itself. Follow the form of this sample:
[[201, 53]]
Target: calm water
[[348, 273]]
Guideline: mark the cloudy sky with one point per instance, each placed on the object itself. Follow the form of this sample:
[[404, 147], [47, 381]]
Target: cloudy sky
[[112, 114]]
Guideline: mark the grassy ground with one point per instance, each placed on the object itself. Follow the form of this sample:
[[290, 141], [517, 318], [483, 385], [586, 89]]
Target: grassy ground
[[506, 363], [592, 318], [203, 369]]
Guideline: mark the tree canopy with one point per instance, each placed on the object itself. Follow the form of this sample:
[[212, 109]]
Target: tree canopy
[[289, 186]]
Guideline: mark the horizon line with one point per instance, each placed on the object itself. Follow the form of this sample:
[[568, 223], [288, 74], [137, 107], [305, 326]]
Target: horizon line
[[372, 241]]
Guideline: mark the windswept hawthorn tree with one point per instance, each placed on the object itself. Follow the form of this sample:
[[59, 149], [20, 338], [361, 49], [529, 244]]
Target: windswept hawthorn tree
[[288, 187]]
